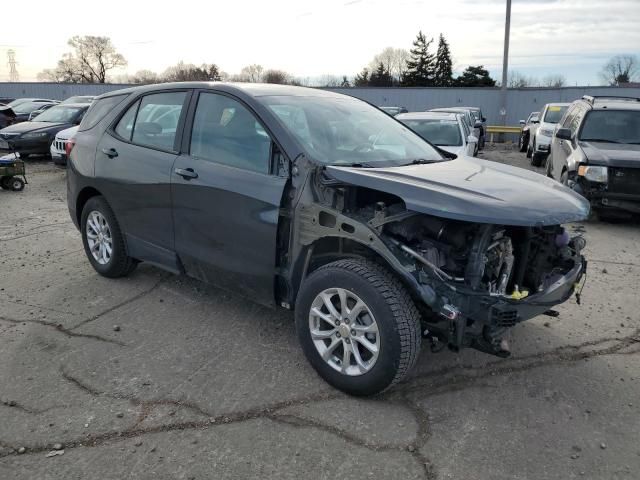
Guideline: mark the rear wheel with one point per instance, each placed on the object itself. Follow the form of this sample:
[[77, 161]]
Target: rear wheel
[[523, 141], [103, 241], [357, 326], [17, 184]]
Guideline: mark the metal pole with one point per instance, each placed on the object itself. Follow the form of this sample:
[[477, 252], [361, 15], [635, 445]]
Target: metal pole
[[505, 64]]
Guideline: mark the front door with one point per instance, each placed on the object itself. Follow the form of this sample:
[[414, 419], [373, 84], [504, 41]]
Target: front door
[[134, 163], [226, 199]]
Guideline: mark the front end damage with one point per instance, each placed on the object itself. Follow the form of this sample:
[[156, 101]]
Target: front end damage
[[478, 280], [471, 281]]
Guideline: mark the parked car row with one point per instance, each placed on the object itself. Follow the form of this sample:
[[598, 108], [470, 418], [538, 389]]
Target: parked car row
[[592, 146], [466, 137], [30, 126]]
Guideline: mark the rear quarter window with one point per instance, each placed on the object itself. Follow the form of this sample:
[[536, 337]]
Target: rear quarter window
[[98, 110]]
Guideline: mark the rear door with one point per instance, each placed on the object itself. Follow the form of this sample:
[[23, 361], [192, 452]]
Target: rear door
[[226, 199], [133, 164]]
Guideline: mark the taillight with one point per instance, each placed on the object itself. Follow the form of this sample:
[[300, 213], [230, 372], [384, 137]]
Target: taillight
[[69, 146]]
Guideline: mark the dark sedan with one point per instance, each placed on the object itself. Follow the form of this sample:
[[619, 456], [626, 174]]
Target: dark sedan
[[24, 109], [35, 137]]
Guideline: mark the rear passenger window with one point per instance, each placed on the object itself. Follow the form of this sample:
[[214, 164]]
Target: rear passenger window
[[224, 131], [98, 110], [153, 121], [124, 128]]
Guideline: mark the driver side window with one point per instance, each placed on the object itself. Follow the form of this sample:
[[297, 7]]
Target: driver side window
[[225, 131]]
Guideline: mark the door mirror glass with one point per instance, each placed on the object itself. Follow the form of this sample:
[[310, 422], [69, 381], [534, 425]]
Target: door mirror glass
[[563, 134], [522, 122]]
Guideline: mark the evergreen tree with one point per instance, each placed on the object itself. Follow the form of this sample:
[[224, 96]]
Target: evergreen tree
[[475, 76], [381, 77], [362, 78], [421, 65], [345, 82], [443, 75]]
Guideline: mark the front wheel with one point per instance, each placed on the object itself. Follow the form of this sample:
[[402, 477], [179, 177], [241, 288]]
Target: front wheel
[[358, 326], [523, 142], [103, 241]]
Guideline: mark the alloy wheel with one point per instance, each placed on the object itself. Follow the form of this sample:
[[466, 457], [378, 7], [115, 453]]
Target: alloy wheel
[[99, 237], [344, 331]]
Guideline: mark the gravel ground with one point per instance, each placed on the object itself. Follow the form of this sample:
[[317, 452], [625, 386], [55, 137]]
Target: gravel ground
[[160, 377]]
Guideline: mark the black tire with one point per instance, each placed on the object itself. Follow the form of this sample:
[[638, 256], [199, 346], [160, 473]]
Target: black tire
[[564, 178], [523, 142], [548, 166], [529, 151], [536, 159], [120, 263], [17, 184], [395, 313]]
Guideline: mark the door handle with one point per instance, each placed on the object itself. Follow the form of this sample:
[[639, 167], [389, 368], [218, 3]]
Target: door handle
[[186, 173], [110, 152]]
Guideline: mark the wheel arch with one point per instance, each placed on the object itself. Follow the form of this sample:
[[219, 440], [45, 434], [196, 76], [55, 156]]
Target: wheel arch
[[327, 249], [83, 197]]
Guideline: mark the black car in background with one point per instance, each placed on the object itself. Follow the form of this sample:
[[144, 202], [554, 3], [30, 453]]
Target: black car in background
[[35, 137], [596, 152], [25, 107], [322, 203]]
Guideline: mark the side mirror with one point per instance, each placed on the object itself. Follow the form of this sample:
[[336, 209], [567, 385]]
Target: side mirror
[[522, 122], [484, 119], [477, 125], [563, 134], [472, 139]]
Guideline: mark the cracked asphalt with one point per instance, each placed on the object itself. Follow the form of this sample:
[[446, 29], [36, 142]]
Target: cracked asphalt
[[160, 377]]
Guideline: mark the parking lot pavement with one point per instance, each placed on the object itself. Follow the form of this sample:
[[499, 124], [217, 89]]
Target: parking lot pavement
[[158, 376]]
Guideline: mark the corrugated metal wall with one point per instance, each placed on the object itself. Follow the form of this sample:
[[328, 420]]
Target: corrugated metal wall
[[520, 101]]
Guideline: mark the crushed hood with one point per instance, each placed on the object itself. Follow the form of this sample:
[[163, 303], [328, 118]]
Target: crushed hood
[[473, 190], [612, 154]]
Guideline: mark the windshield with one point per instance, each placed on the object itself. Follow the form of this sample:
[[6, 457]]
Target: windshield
[[444, 133], [615, 126], [28, 107], [554, 113], [346, 131], [59, 114]]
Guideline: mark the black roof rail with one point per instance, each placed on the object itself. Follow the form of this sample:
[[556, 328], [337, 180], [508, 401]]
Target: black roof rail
[[593, 98]]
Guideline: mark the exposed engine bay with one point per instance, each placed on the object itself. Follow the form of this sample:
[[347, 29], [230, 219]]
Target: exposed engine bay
[[475, 280]]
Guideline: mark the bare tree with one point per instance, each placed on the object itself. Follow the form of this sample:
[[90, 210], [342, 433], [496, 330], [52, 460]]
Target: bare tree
[[145, 77], [90, 61], [518, 80], [329, 81], [555, 81], [276, 76], [394, 61], [251, 73], [620, 69]]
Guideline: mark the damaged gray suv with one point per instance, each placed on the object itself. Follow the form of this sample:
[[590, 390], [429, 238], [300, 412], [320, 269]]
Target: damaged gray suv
[[322, 203]]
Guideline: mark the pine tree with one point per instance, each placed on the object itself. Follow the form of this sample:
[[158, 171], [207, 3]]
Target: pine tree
[[475, 76], [362, 78], [381, 77], [443, 75], [345, 82], [421, 65]]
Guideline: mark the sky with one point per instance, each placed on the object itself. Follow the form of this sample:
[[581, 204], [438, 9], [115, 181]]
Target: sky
[[311, 38]]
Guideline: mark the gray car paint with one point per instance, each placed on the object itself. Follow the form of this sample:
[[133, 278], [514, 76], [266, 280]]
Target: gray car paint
[[474, 190]]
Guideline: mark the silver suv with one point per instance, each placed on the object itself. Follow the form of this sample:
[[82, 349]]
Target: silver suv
[[596, 151]]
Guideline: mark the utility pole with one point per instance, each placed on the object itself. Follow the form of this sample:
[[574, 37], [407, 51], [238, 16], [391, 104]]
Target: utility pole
[[505, 64], [11, 63]]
